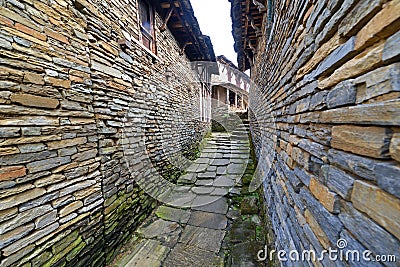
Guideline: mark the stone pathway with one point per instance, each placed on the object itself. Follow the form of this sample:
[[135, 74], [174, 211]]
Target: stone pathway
[[210, 220]]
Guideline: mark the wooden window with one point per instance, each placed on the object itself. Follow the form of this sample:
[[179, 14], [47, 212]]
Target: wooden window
[[146, 13]]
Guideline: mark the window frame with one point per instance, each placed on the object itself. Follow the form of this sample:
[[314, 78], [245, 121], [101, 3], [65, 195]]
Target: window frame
[[144, 33]]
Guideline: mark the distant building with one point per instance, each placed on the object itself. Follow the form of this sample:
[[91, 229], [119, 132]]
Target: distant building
[[231, 86]]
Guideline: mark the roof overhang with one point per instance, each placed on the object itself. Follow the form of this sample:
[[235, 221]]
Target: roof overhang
[[247, 19], [181, 21]]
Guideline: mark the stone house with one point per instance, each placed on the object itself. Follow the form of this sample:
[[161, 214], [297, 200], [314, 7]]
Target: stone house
[[89, 91], [325, 122], [231, 86]]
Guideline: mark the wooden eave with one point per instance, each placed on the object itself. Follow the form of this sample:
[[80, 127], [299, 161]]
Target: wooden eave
[[185, 28], [247, 19]]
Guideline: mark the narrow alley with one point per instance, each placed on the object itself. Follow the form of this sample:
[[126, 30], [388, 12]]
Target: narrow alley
[[174, 133], [212, 219]]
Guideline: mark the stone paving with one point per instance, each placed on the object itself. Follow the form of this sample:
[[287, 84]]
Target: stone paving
[[209, 220]]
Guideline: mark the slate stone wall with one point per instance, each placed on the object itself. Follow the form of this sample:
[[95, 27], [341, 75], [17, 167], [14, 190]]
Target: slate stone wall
[[79, 116], [326, 106]]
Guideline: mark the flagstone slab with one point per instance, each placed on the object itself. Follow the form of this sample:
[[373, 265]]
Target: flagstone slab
[[205, 182], [149, 253], [207, 175], [179, 199], [204, 238], [190, 256], [219, 192], [202, 190], [164, 231], [220, 162], [214, 204], [173, 214], [236, 168], [224, 181], [189, 178], [208, 220]]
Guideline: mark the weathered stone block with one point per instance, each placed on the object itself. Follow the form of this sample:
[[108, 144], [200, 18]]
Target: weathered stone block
[[319, 233], [328, 199], [353, 21], [8, 214], [381, 25], [15, 200], [329, 223], [378, 82], [363, 62], [392, 47], [15, 234], [394, 147], [367, 141], [46, 219], [9, 132], [368, 232], [35, 101], [70, 208], [21, 243], [342, 94], [336, 57], [47, 164], [10, 173], [318, 101], [33, 78], [66, 143], [381, 206], [340, 182], [387, 175]]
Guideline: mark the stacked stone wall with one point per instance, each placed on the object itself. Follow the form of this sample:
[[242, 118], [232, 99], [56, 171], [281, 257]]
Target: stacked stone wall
[[79, 117], [325, 104]]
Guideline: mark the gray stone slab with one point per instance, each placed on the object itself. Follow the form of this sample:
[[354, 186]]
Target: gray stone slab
[[193, 167], [336, 56], [221, 170], [212, 169], [202, 190], [224, 181], [164, 231], [189, 178], [220, 162], [173, 214], [207, 182], [203, 160], [220, 192], [392, 47], [214, 204], [202, 167], [208, 220], [188, 256], [236, 168], [342, 94], [207, 175], [148, 253], [179, 199], [204, 238]]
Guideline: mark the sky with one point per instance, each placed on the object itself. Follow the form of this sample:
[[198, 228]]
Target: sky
[[214, 17]]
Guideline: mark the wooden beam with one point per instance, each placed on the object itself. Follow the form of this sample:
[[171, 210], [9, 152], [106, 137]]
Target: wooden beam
[[261, 7], [253, 25], [169, 14], [184, 47]]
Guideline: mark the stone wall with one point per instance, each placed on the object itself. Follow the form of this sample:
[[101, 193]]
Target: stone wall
[[326, 106], [79, 116]]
